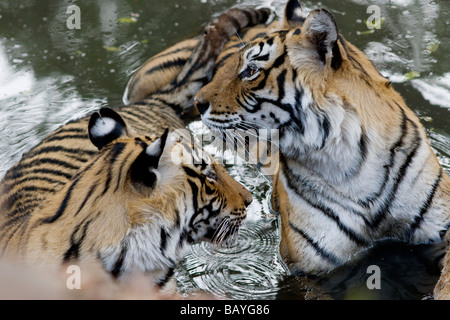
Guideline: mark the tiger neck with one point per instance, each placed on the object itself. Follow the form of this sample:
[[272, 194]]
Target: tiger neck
[[336, 161]]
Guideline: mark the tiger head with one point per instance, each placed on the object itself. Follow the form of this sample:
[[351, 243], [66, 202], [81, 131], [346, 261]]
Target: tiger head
[[304, 80], [141, 202]]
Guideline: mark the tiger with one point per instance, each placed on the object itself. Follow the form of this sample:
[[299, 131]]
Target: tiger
[[355, 164], [126, 186], [160, 69]]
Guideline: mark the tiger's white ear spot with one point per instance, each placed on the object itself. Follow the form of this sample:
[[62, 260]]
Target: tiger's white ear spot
[[154, 149], [106, 126], [294, 14], [103, 127]]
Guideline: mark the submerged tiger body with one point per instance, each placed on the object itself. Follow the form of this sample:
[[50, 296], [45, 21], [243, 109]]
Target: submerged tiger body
[[355, 164], [135, 196]]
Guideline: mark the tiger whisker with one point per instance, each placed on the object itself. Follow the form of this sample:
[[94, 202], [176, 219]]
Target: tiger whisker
[[239, 37], [259, 137], [221, 232]]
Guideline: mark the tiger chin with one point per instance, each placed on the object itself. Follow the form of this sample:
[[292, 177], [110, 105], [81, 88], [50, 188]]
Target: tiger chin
[[356, 165], [138, 206]]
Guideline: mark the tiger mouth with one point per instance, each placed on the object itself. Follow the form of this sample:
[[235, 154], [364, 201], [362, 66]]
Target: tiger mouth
[[218, 125]]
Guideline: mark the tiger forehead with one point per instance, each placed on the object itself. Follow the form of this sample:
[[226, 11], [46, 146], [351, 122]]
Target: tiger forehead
[[260, 45]]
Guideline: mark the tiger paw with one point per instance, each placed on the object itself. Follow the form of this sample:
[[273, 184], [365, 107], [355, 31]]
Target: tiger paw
[[231, 22]]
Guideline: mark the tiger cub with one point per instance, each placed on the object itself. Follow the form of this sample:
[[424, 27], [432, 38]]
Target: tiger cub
[[107, 188], [355, 164]]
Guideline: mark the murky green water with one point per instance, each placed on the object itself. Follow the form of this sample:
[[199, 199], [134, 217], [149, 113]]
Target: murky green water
[[50, 75]]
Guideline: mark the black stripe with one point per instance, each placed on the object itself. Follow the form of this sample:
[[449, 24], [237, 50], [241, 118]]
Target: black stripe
[[249, 15], [276, 64], [115, 152], [141, 103], [426, 205], [387, 168], [235, 22], [194, 189], [281, 79], [67, 128], [177, 221], [139, 113], [325, 129], [11, 222], [363, 156], [58, 149], [74, 250], [264, 57], [63, 204], [163, 281], [384, 210], [194, 174], [184, 237], [258, 35], [175, 107], [222, 61], [298, 116], [352, 59], [188, 48], [20, 211], [292, 7], [66, 137], [319, 250], [112, 156], [163, 242], [117, 268], [39, 178], [16, 174], [328, 212], [32, 189], [52, 161], [66, 199], [86, 198], [177, 62], [21, 226], [122, 166]]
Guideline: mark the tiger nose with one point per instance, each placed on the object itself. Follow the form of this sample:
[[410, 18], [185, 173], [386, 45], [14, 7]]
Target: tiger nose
[[201, 105]]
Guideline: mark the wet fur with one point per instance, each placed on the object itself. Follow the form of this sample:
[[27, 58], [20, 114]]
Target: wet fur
[[356, 165]]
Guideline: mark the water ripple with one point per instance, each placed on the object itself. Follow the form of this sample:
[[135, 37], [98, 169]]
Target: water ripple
[[250, 269]]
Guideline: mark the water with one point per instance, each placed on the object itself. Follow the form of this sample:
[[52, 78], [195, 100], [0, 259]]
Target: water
[[50, 75]]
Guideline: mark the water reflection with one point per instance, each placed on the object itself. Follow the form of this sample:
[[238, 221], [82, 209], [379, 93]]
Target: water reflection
[[31, 107]]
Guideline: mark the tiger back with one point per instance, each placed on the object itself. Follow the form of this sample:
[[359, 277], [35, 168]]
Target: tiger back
[[355, 164], [161, 69], [122, 189]]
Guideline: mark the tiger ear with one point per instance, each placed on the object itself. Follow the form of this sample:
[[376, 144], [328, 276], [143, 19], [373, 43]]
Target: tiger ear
[[144, 168], [105, 126], [294, 15], [320, 30]]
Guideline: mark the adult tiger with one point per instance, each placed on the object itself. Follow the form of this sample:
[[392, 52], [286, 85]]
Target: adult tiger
[[122, 198], [355, 165]]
